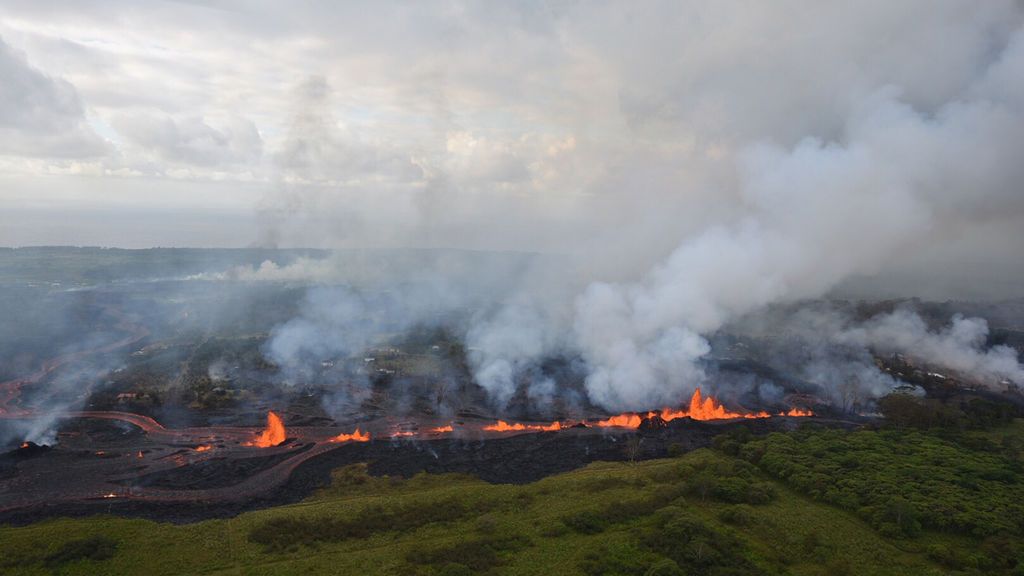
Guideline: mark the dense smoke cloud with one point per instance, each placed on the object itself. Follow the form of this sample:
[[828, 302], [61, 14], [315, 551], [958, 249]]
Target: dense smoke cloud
[[814, 215], [690, 163], [857, 188], [960, 346]]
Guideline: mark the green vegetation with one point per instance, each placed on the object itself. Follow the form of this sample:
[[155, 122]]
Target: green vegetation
[[900, 482], [703, 513], [95, 548], [911, 484], [912, 498]]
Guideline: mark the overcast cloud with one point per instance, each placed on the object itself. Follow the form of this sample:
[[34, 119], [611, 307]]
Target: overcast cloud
[[613, 132]]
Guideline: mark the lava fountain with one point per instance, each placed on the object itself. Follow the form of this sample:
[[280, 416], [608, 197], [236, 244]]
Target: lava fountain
[[503, 426], [272, 435], [356, 436], [700, 408]]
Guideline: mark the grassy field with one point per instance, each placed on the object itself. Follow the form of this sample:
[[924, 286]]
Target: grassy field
[[655, 517]]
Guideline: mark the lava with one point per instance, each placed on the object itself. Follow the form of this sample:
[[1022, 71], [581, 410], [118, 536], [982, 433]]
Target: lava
[[700, 408], [502, 426], [272, 435], [622, 421], [207, 447], [442, 429], [356, 436]]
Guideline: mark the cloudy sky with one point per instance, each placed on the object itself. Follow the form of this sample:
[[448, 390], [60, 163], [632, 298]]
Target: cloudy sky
[[612, 129]]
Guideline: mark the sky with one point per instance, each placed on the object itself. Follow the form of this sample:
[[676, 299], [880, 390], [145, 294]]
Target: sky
[[610, 131]]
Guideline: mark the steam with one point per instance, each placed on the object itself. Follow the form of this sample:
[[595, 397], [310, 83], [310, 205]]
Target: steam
[[814, 216], [811, 217], [678, 176], [959, 346], [771, 198]]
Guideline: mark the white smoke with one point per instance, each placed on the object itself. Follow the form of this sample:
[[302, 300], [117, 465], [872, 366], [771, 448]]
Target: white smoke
[[747, 181], [813, 216], [309, 270], [960, 346]]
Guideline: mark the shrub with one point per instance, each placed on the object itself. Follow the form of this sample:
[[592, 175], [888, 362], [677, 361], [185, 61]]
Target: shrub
[[594, 521], [585, 522], [602, 483], [618, 559], [281, 534], [901, 482], [695, 546], [554, 530], [477, 555], [95, 548], [738, 515], [665, 567]]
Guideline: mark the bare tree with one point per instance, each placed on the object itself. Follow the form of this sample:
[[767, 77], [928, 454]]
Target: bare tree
[[633, 447]]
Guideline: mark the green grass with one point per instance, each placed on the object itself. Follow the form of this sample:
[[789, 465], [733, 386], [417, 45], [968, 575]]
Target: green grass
[[507, 530]]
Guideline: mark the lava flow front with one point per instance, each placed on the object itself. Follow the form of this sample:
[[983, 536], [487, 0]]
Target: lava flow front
[[272, 435]]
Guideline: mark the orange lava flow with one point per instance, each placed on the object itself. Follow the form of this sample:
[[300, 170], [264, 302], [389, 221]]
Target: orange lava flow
[[356, 436], [699, 409], [207, 447], [622, 421], [502, 426], [24, 444], [442, 429], [272, 435]]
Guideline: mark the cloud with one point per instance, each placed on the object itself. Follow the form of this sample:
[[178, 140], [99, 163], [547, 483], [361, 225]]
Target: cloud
[[192, 140], [40, 115]]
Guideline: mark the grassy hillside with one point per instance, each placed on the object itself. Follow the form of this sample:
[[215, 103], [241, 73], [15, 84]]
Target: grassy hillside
[[702, 513]]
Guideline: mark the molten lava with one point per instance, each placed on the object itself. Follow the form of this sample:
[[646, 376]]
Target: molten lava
[[442, 429], [622, 421], [272, 435], [356, 436], [207, 447], [24, 445], [699, 409], [502, 426]]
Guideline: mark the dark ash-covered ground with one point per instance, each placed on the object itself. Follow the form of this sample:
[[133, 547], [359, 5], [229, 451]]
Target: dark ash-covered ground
[[514, 459]]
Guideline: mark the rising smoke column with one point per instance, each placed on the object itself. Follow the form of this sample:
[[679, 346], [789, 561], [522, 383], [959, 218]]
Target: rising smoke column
[[813, 216], [870, 154]]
